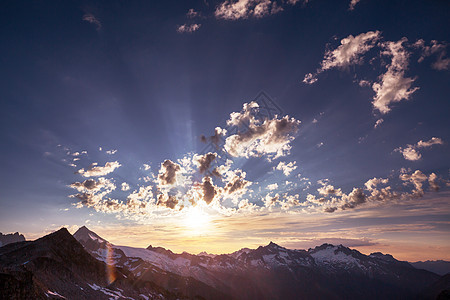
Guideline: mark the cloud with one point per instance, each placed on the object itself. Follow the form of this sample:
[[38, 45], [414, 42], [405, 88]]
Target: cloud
[[192, 13], [92, 192], [243, 9], [88, 17], [92, 185], [93, 170], [188, 28], [352, 4], [271, 201], [310, 78], [216, 138], [333, 199], [371, 184], [168, 172], [203, 162], [430, 142], [350, 52], [111, 152], [410, 152], [237, 184], [393, 86], [436, 48], [169, 201], [328, 189], [432, 181], [271, 137], [125, 186], [272, 186], [289, 201], [378, 123], [355, 198], [417, 178], [287, 168], [209, 190]]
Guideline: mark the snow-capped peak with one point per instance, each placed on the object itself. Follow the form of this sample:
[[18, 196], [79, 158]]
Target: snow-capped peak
[[84, 234]]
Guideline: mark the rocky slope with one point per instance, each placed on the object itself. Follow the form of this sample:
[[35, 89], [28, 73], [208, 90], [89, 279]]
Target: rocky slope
[[57, 266]]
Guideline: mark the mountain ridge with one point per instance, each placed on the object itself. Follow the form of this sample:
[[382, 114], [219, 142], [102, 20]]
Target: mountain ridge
[[274, 272]]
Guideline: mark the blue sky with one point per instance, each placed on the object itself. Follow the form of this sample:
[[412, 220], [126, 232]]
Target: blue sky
[[148, 79]]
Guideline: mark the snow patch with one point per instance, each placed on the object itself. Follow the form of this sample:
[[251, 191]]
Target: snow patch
[[55, 294]]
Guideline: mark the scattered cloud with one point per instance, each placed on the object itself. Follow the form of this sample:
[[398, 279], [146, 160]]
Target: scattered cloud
[[392, 85], [188, 28], [192, 13], [378, 123], [111, 152], [287, 168], [437, 49], [272, 186], [125, 186]]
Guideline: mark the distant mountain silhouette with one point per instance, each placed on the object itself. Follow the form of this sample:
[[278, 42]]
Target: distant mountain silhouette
[[6, 239], [440, 267]]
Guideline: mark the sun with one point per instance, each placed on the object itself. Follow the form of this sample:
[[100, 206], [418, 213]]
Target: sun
[[196, 220]]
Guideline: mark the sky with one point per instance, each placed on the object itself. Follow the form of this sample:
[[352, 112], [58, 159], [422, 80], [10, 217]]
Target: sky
[[217, 125]]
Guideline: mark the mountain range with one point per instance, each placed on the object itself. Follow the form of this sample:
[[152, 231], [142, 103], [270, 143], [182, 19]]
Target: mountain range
[[86, 266], [10, 238]]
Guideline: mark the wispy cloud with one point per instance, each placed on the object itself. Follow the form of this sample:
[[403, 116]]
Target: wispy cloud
[[348, 53], [94, 170], [353, 4], [88, 17]]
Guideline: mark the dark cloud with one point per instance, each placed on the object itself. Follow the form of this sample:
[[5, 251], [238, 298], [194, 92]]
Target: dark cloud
[[204, 162], [168, 172], [89, 184], [216, 138], [355, 198], [209, 191], [236, 184], [169, 201]]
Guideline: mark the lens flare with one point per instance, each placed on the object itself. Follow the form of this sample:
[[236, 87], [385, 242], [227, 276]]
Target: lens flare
[[110, 264]]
